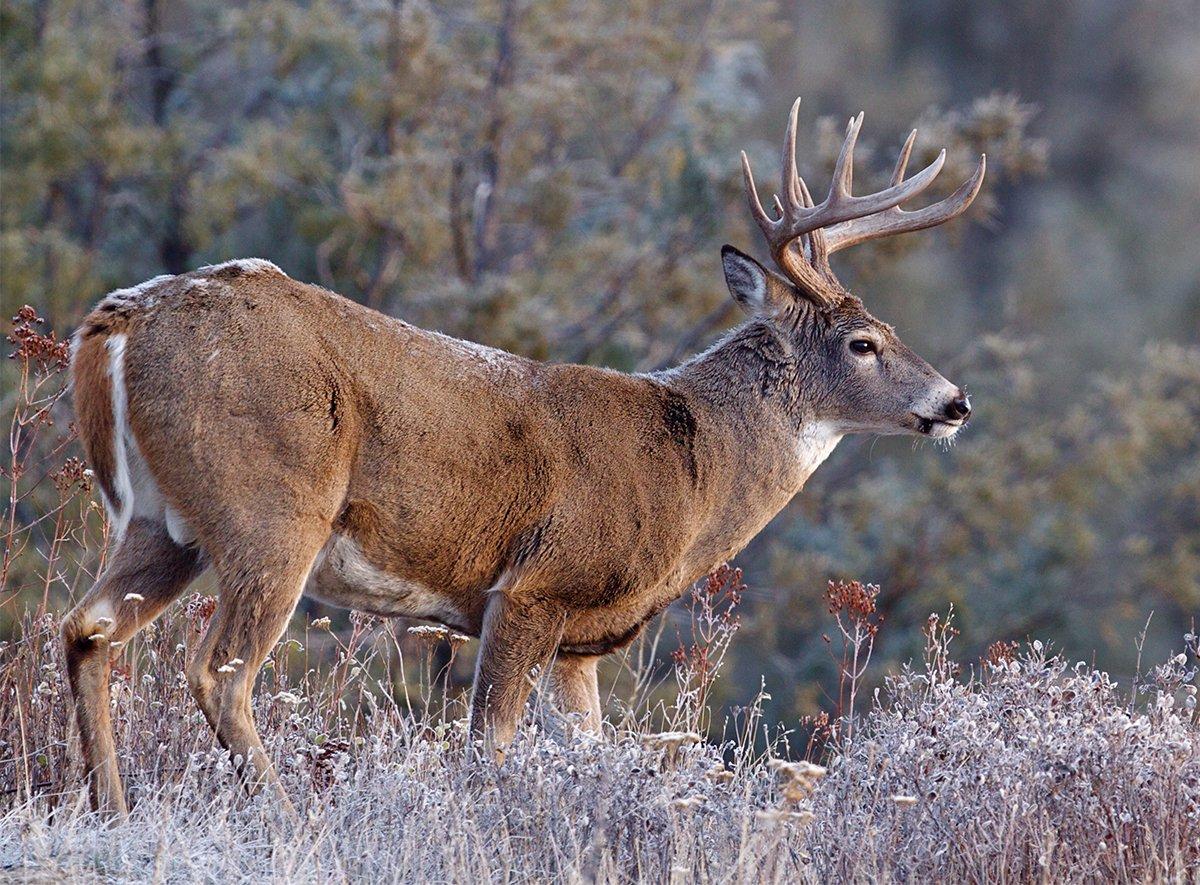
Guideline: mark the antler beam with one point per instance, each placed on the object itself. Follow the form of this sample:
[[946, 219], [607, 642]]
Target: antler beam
[[842, 219]]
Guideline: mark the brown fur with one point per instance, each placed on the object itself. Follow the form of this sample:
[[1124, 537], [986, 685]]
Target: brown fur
[[309, 443]]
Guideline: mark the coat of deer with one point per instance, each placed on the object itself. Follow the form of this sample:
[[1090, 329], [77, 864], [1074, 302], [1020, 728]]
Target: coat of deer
[[296, 442]]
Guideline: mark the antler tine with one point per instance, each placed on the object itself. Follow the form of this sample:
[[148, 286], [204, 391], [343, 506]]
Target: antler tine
[[805, 196], [840, 204], [806, 200], [897, 221], [818, 253], [904, 190], [756, 208], [843, 170], [788, 173], [902, 160]]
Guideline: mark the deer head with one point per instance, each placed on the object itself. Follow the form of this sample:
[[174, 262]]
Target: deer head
[[857, 374]]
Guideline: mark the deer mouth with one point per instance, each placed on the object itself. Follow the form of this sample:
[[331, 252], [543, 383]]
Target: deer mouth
[[937, 428]]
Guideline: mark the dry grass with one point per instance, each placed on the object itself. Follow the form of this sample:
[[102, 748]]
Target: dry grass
[[1030, 770]]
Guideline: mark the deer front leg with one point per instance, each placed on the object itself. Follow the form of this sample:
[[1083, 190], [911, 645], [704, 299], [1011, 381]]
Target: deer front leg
[[516, 638], [576, 689]]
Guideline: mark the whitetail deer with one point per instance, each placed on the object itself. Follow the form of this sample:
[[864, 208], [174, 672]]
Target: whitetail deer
[[296, 442]]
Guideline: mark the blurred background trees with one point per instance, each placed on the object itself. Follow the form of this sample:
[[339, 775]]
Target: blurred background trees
[[556, 178]]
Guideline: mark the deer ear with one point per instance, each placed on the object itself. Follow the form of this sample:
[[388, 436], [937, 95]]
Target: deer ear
[[757, 290]]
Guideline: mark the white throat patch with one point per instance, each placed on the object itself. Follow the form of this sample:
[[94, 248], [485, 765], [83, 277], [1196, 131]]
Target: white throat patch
[[816, 441]]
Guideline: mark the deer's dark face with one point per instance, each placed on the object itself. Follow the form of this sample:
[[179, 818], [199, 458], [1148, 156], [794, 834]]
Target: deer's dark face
[[873, 383], [855, 374]]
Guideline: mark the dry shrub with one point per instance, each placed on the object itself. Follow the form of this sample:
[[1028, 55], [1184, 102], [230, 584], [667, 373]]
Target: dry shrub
[[1030, 769]]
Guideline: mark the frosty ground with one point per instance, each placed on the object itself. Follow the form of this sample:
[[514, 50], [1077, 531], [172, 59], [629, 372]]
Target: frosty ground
[[1021, 767]]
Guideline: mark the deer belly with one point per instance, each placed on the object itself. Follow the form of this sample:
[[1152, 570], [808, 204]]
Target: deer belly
[[343, 576]]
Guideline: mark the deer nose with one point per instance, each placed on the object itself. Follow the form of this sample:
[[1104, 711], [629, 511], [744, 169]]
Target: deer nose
[[959, 408]]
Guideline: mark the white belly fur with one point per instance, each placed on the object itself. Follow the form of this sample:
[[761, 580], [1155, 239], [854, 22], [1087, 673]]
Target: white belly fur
[[344, 577]]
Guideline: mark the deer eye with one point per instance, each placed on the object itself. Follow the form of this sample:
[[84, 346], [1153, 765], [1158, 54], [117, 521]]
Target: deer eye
[[862, 346]]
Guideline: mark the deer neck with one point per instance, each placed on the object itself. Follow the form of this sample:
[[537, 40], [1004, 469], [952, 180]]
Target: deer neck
[[759, 435]]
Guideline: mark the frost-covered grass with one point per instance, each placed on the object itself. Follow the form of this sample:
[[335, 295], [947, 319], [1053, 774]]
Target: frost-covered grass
[[1031, 769], [1023, 768]]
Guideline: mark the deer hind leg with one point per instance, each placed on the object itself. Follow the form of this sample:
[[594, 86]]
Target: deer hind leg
[[516, 638], [259, 589], [147, 572], [576, 689]]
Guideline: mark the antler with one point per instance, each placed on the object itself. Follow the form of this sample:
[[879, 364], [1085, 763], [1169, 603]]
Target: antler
[[842, 219]]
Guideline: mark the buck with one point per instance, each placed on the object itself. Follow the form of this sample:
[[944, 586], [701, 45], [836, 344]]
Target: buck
[[295, 442]]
